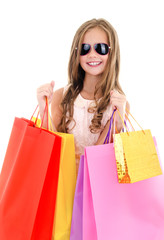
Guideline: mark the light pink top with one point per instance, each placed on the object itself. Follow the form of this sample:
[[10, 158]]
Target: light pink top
[[82, 135]]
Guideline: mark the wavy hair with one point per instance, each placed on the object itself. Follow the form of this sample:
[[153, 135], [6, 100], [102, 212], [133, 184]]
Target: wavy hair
[[109, 80]]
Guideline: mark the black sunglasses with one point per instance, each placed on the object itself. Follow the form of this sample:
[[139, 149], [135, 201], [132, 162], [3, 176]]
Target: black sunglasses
[[100, 48]]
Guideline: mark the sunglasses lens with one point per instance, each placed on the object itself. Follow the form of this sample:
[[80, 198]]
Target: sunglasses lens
[[101, 48], [85, 49]]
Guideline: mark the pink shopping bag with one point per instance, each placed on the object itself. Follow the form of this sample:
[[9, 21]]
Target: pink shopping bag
[[119, 211]]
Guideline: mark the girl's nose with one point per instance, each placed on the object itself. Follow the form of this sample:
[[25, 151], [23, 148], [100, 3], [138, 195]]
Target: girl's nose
[[92, 52]]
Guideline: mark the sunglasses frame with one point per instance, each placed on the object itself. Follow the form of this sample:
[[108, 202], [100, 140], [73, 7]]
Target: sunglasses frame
[[93, 46]]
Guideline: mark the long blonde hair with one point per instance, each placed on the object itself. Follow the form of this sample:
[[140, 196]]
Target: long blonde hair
[[109, 80]]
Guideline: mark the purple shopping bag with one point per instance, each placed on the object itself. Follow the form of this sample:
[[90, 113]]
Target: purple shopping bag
[[77, 214]]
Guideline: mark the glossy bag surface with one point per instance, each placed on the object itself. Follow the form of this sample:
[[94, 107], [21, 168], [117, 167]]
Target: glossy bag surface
[[136, 156]]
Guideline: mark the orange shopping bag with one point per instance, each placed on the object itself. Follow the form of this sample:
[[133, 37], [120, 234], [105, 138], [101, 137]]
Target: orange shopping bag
[[28, 183]]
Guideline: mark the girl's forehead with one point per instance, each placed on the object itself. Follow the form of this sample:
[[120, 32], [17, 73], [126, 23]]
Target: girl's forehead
[[95, 35]]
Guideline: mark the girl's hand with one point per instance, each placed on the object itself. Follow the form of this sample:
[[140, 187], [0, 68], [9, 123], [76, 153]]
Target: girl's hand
[[43, 91], [118, 101]]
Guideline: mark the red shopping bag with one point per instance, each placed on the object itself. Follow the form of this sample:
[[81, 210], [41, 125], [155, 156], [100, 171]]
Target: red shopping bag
[[28, 183]]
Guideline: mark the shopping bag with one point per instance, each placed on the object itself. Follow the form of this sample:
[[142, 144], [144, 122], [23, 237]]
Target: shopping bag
[[66, 186], [77, 215], [120, 211], [136, 156], [28, 183], [66, 189]]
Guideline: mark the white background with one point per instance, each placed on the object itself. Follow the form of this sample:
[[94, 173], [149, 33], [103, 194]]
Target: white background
[[35, 41]]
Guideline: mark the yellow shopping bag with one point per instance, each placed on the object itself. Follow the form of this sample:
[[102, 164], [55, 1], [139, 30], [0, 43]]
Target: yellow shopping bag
[[66, 189], [136, 156]]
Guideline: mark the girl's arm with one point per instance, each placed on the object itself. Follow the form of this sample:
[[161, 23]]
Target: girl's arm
[[118, 124], [56, 112]]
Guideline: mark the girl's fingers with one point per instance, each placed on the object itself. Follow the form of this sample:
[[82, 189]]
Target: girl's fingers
[[45, 90], [52, 84]]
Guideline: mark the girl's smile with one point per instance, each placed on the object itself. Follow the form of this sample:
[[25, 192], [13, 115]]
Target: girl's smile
[[94, 63]]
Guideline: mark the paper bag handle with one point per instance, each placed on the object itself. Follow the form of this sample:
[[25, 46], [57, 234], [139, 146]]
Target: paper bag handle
[[106, 141], [129, 121], [49, 126]]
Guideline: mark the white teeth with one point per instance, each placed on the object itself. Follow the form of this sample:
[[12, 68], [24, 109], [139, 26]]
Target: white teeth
[[94, 63]]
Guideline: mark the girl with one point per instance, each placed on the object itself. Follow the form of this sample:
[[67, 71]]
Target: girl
[[85, 105]]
